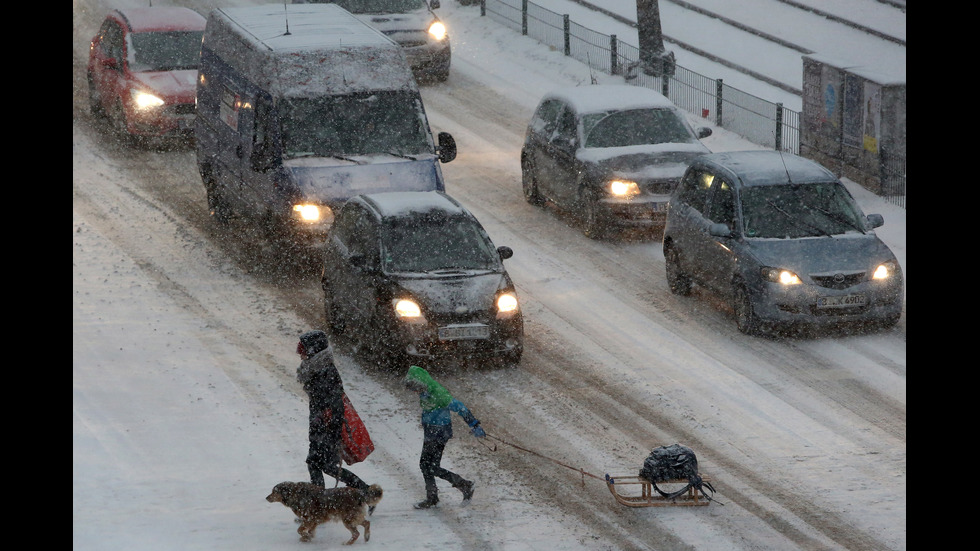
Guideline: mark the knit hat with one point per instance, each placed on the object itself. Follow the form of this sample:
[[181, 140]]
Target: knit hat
[[312, 342]]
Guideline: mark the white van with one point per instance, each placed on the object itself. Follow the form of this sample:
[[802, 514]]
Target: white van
[[300, 107]]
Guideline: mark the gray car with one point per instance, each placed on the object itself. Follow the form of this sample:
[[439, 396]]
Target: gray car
[[609, 154], [782, 239]]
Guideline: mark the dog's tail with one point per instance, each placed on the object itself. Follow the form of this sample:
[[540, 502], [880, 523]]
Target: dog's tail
[[372, 495]]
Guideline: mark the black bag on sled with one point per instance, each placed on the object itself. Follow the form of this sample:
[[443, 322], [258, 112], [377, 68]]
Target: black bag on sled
[[672, 463]]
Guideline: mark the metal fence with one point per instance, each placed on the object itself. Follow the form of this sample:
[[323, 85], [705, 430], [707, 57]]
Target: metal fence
[[758, 120]]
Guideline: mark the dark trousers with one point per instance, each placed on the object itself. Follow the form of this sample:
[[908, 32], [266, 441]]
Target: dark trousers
[[430, 464], [319, 462]]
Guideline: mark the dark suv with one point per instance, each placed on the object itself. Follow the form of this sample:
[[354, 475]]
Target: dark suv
[[413, 276], [782, 238]]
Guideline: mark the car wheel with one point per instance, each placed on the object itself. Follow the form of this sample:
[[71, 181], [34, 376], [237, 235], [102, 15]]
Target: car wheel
[[679, 282], [94, 100], [334, 323], [745, 316], [596, 225], [217, 204], [530, 185], [117, 122]]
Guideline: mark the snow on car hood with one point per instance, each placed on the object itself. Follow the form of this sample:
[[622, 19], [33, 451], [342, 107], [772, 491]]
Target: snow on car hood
[[174, 85], [333, 179], [850, 252], [417, 21], [458, 292], [644, 161]]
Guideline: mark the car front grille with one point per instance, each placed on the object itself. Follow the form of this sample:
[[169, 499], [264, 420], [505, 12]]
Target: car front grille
[[840, 281], [183, 109]]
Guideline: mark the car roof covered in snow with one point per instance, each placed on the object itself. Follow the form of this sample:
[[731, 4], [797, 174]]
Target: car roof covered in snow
[[397, 204], [307, 50], [764, 167], [597, 98], [161, 19]]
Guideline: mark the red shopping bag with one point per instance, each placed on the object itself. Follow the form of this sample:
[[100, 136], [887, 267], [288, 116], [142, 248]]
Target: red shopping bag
[[357, 444]]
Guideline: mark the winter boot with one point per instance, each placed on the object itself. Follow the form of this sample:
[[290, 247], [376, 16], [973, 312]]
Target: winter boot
[[431, 499], [465, 486]]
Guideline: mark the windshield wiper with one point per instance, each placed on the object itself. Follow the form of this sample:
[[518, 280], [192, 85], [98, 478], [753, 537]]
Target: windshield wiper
[[794, 220], [836, 218]]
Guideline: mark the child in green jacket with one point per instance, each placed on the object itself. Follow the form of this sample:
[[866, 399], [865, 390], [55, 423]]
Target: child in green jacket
[[437, 404]]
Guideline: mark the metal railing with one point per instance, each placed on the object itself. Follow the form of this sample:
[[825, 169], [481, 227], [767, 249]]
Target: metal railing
[[758, 120]]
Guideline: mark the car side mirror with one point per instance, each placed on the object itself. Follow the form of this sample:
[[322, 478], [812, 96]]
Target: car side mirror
[[447, 147], [505, 252], [720, 230], [875, 220], [703, 132]]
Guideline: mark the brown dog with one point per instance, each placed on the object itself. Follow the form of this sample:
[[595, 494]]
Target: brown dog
[[314, 505]]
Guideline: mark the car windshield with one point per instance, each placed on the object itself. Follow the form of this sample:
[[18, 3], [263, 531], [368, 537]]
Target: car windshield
[[635, 127], [358, 124], [436, 243], [792, 211], [380, 6], [165, 51]]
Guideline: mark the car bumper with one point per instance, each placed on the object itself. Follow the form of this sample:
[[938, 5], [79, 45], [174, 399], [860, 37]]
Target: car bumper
[[505, 337], [633, 213], [429, 58], [868, 302], [168, 121]]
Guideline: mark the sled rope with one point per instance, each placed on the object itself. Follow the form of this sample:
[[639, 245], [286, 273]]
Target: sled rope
[[578, 470]]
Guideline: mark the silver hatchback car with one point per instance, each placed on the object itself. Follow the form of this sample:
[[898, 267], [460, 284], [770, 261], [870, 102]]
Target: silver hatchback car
[[781, 238]]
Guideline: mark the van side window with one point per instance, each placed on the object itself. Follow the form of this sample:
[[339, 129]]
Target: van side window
[[565, 134], [695, 188], [112, 41], [544, 120], [364, 241], [722, 209]]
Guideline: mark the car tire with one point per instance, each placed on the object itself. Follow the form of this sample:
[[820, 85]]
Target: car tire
[[94, 100], [334, 323], [679, 282], [596, 225], [117, 122], [745, 317], [529, 183], [217, 204]]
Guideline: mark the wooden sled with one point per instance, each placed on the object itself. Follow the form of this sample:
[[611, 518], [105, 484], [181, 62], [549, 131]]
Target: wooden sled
[[649, 497]]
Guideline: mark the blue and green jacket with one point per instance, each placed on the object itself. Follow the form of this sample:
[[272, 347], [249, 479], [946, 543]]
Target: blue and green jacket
[[437, 406]]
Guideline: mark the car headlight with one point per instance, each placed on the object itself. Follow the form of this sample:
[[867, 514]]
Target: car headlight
[[884, 271], [406, 308], [437, 30], [623, 188], [307, 212], [778, 275], [506, 303], [145, 100]]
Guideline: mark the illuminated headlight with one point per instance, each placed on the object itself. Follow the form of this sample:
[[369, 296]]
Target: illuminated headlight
[[145, 100], [884, 271], [777, 275], [506, 303], [623, 188], [307, 212], [437, 30], [407, 310]]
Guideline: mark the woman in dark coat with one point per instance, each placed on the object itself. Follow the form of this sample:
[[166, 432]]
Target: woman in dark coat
[[321, 381]]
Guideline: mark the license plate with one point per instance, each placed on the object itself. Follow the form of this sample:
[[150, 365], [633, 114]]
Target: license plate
[[846, 301], [461, 332]]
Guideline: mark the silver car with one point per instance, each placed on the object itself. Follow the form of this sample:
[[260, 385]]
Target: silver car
[[782, 239], [413, 25]]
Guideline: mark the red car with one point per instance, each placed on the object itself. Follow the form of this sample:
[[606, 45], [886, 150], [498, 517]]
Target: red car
[[142, 70]]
